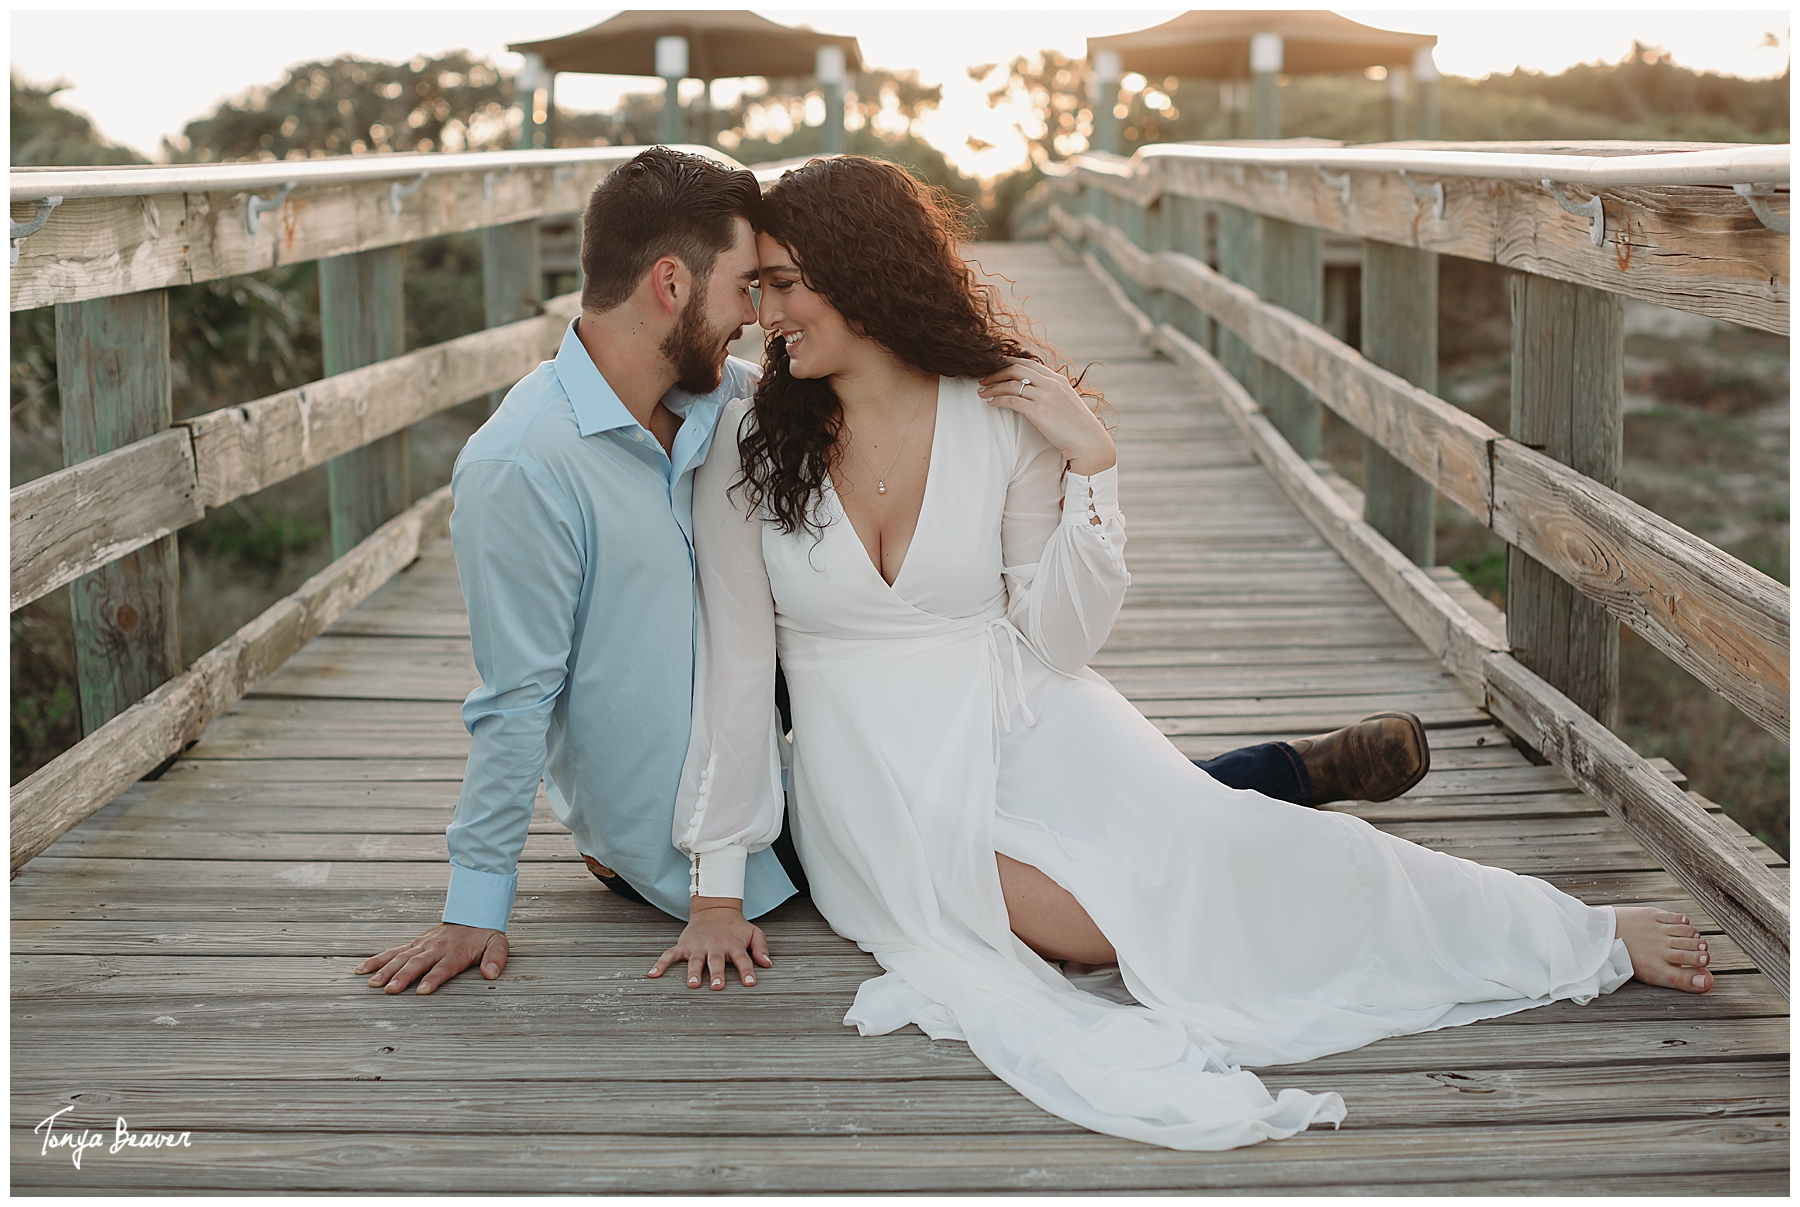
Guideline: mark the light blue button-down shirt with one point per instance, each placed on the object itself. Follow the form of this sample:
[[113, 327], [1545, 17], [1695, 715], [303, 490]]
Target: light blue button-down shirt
[[573, 533]]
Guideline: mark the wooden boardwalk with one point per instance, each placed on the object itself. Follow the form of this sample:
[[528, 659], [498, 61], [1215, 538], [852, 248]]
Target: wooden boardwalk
[[183, 958]]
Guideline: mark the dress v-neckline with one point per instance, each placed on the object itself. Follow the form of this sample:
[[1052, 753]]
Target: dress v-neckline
[[924, 502]]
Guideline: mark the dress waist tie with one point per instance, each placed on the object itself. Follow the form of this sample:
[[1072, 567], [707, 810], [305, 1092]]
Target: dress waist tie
[[1002, 706]]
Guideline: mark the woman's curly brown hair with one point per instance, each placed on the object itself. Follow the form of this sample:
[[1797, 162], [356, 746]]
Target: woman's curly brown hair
[[883, 249]]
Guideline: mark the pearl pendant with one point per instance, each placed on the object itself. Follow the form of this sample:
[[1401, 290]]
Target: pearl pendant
[[880, 486]]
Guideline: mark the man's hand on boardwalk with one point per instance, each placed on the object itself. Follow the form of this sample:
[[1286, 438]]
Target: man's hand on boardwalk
[[439, 954], [717, 933]]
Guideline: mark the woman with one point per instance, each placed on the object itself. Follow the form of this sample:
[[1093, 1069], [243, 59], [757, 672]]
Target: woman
[[922, 519]]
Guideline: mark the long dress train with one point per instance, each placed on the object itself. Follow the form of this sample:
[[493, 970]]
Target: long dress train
[[951, 716]]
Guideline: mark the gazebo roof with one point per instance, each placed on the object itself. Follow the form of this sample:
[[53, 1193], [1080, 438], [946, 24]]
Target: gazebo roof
[[1214, 44], [721, 44]]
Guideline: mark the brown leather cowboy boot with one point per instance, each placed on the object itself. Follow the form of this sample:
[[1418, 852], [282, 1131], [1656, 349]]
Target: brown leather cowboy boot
[[1378, 758]]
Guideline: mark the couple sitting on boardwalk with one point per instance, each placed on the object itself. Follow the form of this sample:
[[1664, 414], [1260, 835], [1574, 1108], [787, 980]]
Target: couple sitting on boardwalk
[[916, 513]]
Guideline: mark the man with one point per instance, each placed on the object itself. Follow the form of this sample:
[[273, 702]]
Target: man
[[573, 538]]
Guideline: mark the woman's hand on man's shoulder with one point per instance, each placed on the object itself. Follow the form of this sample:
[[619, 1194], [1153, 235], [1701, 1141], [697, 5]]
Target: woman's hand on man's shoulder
[[1057, 409]]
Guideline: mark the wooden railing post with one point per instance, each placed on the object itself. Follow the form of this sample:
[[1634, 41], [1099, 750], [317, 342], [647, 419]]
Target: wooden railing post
[[1399, 332], [1568, 400], [1239, 261], [1281, 261], [112, 372], [512, 278], [362, 317]]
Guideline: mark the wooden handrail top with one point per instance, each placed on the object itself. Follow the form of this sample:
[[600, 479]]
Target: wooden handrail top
[[1751, 164], [148, 180]]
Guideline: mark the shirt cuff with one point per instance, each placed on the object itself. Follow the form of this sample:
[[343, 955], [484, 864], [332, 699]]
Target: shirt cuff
[[1088, 499], [720, 873], [479, 898]]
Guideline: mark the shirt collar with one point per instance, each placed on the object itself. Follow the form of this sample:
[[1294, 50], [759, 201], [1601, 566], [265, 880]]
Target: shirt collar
[[596, 407]]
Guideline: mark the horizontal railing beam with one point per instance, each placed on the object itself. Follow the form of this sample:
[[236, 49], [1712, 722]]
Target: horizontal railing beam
[[1699, 248], [167, 721], [78, 519], [1725, 622], [75, 520], [122, 230], [1746, 898]]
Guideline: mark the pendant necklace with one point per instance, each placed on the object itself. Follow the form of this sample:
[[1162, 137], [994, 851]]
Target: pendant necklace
[[881, 478]]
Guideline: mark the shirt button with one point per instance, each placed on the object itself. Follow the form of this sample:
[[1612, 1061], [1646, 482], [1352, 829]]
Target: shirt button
[[638, 435]]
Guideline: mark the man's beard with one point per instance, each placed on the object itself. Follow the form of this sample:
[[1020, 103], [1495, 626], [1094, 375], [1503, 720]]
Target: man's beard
[[697, 352]]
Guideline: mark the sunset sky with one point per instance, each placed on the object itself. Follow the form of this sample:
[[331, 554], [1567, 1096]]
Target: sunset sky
[[153, 71]]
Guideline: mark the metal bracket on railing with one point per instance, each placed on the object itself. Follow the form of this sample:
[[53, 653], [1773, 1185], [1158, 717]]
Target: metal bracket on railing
[[488, 179], [398, 190], [1340, 183], [1435, 192], [1278, 174], [1754, 194], [1590, 209], [256, 207], [22, 231]]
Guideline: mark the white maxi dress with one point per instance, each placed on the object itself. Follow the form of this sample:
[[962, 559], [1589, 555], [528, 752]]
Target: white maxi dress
[[952, 716]]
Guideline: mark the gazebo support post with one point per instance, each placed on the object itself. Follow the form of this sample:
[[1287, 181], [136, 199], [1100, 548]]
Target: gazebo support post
[[1265, 88], [1425, 84], [829, 69], [672, 66], [1109, 132]]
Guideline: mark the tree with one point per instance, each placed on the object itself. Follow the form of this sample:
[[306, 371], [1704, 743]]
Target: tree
[[357, 106]]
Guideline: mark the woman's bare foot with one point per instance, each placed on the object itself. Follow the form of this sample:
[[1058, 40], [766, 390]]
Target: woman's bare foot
[[1664, 949]]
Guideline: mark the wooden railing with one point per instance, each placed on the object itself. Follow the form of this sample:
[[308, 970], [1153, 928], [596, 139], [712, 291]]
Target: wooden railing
[[108, 247], [1213, 251]]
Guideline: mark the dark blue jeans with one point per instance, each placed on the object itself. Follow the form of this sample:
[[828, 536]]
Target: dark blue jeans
[[1272, 769]]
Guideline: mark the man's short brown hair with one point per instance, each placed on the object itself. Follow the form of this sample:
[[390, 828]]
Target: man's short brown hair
[[661, 203]]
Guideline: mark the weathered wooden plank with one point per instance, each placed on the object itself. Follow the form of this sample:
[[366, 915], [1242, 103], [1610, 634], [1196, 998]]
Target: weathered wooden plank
[[512, 280], [318, 770], [355, 667], [362, 320], [197, 890], [76, 519], [67, 523], [945, 1108], [240, 450], [91, 773], [1292, 277], [1318, 1159], [1457, 640], [1690, 247], [95, 247], [1723, 621], [1747, 899], [112, 374], [1399, 333], [1568, 401]]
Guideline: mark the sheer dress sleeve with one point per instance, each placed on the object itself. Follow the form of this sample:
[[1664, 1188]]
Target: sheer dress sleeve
[[1062, 542], [730, 801]]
